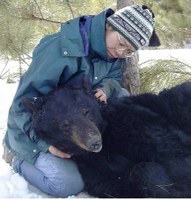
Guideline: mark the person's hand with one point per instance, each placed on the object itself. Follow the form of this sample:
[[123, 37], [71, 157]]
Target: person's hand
[[100, 95], [53, 150]]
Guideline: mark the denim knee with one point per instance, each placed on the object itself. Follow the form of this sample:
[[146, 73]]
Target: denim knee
[[62, 176], [64, 186], [52, 175]]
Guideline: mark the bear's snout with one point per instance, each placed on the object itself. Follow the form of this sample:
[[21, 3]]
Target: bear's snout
[[94, 144]]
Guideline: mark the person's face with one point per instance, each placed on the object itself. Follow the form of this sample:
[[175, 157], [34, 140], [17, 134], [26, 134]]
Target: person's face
[[117, 46]]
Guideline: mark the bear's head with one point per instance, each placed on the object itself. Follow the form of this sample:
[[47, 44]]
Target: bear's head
[[69, 117]]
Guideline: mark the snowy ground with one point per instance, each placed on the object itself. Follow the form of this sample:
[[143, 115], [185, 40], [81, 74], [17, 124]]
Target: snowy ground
[[11, 185], [14, 186], [183, 55]]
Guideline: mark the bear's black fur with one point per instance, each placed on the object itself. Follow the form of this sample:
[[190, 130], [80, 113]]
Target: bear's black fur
[[146, 144], [146, 147]]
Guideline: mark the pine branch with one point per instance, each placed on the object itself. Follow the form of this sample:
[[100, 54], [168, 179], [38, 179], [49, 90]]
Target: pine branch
[[33, 17], [70, 8], [161, 74], [39, 9]]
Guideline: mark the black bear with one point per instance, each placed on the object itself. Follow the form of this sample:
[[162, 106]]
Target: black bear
[[68, 117], [146, 150]]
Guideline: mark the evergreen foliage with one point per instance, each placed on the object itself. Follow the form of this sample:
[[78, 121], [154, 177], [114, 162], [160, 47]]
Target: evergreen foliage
[[161, 74]]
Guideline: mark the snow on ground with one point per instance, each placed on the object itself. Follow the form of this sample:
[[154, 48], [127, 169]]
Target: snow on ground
[[183, 55], [14, 186], [11, 184]]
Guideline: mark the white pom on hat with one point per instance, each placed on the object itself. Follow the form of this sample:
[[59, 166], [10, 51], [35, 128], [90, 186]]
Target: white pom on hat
[[136, 23]]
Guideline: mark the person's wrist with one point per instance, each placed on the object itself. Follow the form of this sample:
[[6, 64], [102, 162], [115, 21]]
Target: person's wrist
[[56, 152]]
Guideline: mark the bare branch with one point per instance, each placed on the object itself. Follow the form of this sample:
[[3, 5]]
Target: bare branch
[[39, 9], [70, 7]]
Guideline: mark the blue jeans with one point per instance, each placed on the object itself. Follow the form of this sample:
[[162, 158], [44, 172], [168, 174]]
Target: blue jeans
[[52, 175]]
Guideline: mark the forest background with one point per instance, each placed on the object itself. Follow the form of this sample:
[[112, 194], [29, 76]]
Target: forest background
[[24, 22]]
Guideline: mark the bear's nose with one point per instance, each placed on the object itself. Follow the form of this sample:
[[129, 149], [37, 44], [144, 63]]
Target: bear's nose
[[94, 145]]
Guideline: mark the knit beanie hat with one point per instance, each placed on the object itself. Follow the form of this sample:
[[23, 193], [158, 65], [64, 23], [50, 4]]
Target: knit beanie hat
[[135, 23]]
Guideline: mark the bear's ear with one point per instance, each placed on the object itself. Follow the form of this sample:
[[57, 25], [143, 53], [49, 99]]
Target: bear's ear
[[33, 104], [86, 85], [75, 80], [78, 81]]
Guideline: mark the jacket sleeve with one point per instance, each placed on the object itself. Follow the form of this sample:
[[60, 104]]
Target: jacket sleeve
[[111, 82], [35, 82]]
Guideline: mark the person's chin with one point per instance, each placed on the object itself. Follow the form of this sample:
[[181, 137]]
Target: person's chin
[[110, 56]]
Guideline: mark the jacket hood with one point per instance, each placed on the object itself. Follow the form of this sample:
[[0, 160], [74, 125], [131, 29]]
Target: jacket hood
[[97, 34]]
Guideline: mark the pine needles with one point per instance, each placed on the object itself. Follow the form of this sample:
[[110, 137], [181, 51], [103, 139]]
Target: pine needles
[[161, 74]]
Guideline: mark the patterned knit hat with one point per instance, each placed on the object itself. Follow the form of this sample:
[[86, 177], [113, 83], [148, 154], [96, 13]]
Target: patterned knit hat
[[135, 23]]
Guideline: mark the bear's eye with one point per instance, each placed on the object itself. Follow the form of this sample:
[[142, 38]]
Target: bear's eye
[[86, 112], [65, 125]]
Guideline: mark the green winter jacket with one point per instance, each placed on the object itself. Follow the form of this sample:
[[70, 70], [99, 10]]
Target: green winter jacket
[[64, 53]]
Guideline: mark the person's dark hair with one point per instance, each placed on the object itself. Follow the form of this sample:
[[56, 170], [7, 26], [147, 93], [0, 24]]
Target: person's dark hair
[[154, 40]]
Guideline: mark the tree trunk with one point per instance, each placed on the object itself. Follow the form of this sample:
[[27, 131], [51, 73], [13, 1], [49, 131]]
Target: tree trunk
[[124, 3], [130, 69]]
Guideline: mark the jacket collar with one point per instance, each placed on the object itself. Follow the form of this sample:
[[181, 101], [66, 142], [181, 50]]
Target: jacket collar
[[71, 40], [72, 43], [97, 35]]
